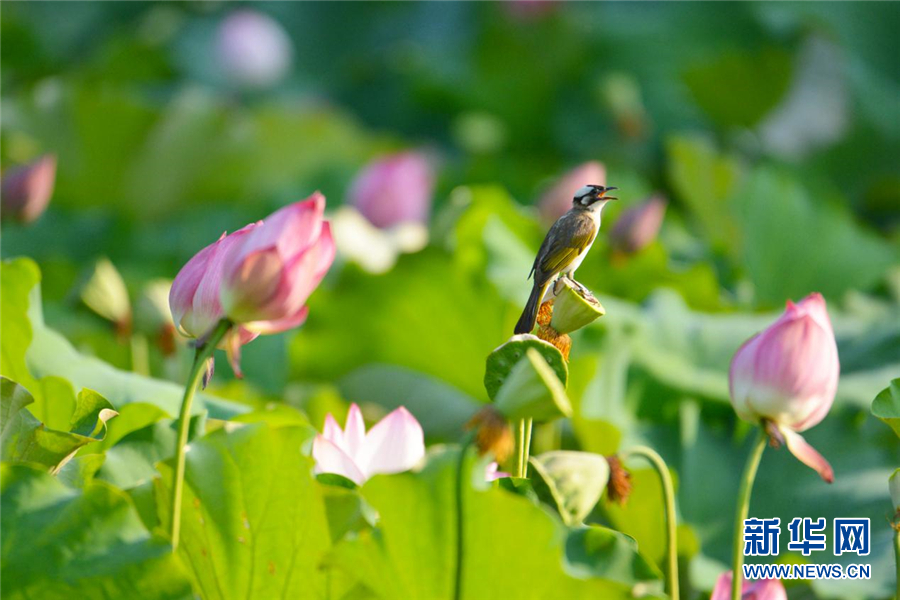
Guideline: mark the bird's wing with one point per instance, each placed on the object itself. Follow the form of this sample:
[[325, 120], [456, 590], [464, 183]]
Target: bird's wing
[[562, 249]]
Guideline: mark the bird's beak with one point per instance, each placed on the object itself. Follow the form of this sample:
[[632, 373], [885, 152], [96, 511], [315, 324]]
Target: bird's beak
[[606, 191]]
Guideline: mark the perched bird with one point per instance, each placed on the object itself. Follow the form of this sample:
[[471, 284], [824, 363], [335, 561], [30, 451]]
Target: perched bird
[[566, 245]]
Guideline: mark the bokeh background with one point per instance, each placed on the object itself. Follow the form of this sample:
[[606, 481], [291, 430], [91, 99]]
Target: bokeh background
[[770, 131]]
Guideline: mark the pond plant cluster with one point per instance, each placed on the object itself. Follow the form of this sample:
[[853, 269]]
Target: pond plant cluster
[[279, 395]]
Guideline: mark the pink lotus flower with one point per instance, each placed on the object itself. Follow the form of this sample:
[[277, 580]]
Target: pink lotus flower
[[638, 226], [492, 472], [761, 589], [558, 199], [26, 190], [394, 189], [787, 376], [394, 444], [194, 296], [253, 49], [268, 274]]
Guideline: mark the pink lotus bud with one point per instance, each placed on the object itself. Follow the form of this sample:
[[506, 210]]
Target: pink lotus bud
[[253, 49], [492, 472], [194, 296], [26, 190], [270, 272], [394, 444], [558, 199], [788, 376], [638, 226], [761, 589], [394, 189]]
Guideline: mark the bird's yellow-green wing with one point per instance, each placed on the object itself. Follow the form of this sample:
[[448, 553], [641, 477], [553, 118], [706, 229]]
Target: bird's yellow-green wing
[[563, 249]]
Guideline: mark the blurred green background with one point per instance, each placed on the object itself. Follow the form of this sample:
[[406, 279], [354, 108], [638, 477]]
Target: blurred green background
[[772, 128]]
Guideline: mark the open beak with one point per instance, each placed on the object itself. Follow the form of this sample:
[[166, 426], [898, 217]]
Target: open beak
[[606, 191]]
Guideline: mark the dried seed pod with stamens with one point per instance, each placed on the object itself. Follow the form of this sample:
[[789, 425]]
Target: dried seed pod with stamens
[[619, 487], [492, 433]]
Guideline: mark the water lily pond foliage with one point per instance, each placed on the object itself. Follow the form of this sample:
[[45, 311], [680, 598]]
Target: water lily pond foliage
[[262, 266]]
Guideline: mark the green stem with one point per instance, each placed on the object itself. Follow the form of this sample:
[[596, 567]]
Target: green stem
[[897, 555], [665, 478], [460, 522], [743, 509], [518, 448], [526, 446], [204, 352], [140, 354]]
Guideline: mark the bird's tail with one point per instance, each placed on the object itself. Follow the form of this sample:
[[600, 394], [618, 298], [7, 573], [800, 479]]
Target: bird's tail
[[529, 315]]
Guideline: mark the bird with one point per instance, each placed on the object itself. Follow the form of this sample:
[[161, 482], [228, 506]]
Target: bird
[[564, 248]]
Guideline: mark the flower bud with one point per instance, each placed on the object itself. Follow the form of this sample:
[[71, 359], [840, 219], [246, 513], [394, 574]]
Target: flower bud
[[788, 375], [638, 226], [103, 291], [394, 189], [558, 199], [760, 589], [269, 273], [254, 51], [26, 190], [152, 316], [194, 297]]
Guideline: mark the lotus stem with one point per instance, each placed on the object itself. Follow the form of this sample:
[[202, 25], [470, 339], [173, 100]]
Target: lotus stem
[[897, 555], [743, 509], [519, 449], [665, 478], [204, 353], [140, 354], [526, 448], [460, 521], [522, 447]]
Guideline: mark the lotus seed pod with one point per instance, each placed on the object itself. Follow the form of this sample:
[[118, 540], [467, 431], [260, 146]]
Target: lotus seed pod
[[560, 341], [573, 480], [501, 361], [573, 308], [532, 391]]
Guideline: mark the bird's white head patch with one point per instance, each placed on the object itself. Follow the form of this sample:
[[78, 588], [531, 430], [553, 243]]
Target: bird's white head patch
[[583, 194]]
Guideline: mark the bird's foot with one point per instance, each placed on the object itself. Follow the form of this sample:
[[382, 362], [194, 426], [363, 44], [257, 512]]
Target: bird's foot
[[581, 288]]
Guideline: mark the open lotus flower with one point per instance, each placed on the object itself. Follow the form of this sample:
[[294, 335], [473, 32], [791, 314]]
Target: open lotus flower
[[26, 190], [394, 189], [269, 272], [761, 589], [558, 199], [394, 444], [374, 249], [787, 376]]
